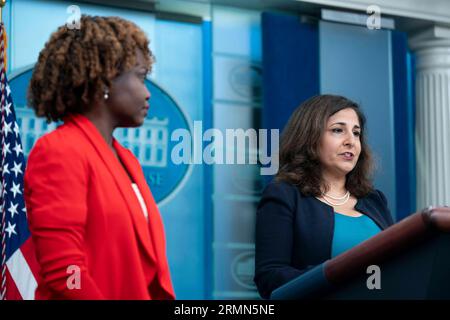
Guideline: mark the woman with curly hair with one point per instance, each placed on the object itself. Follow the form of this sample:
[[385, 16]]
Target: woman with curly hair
[[322, 201], [95, 225]]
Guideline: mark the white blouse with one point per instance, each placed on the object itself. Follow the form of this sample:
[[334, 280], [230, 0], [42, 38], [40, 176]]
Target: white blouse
[[141, 200]]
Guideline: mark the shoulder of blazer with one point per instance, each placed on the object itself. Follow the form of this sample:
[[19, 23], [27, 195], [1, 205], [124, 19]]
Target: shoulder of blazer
[[376, 197], [282, 192], [65, 142]]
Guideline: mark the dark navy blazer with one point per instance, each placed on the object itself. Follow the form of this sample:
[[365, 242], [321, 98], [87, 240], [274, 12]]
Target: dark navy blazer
[[295, 232]]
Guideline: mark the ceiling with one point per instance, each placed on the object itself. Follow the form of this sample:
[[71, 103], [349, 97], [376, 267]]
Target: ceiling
[[198, 9]]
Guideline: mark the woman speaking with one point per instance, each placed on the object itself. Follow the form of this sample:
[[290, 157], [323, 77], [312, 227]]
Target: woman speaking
[[322, 202]]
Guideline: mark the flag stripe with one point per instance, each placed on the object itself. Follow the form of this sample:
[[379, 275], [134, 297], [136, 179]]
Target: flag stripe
[[22, 275], [12, 293], [30, 257]]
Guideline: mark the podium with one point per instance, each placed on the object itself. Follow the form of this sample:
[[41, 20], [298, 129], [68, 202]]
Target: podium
[[411, 260]]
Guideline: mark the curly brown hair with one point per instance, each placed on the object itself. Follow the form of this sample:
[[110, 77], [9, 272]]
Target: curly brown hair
[[76, 66], [299, 148]]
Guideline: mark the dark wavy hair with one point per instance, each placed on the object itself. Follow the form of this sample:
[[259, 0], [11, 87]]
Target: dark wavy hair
[[299, 147], [76, 66]]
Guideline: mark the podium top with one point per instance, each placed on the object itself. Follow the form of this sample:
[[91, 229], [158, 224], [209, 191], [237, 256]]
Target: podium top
[[438, 218], [390, 242]]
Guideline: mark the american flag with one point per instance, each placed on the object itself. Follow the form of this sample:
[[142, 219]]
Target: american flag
[[18, 264]]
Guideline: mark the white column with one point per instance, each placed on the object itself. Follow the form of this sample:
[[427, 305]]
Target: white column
[[432, 48]]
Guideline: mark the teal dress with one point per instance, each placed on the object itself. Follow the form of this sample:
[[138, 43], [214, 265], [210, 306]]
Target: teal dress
[[351, 231]]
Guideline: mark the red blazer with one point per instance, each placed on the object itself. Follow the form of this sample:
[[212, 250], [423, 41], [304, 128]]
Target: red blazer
[[84, 216]]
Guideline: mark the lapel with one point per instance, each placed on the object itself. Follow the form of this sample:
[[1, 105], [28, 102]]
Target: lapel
[[121, 178], [154, 218], [155, 224], [372, 213]]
